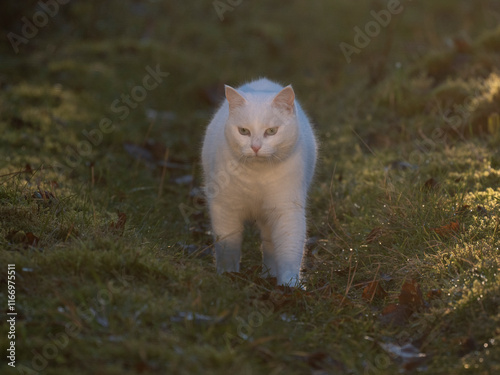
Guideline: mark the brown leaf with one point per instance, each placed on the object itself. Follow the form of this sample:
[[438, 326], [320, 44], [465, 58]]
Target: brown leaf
[[448, 229], [410, 301], [389, 309], [462, 44], [395, 314], [411, 296], [20, 237], [374, 290], [434, 294], [32, 240]]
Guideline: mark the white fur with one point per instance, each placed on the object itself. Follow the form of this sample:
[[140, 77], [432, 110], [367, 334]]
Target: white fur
[[269, 187]]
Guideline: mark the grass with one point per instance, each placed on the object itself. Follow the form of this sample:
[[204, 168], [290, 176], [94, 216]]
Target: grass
[[100, 212]]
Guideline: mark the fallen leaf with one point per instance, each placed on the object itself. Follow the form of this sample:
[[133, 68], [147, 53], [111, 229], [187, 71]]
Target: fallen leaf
[[32, 240], [22, 238], [28, 169], [462, 44], [410, 301], [434, 294], [448, 229], [374, 290], [411, 295]]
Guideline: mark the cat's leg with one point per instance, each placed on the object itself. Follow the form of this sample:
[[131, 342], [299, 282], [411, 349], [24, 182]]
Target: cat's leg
[[289, 237], [269, 268], [228, 233]]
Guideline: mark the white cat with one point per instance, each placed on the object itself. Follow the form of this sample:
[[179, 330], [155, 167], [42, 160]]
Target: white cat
[[258, 156]]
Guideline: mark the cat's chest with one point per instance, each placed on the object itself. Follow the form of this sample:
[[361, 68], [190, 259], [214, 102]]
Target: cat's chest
[[256, 181], [263, 181]]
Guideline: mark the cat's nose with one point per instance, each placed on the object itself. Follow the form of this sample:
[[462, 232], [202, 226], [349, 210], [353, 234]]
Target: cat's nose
[[256, 148]]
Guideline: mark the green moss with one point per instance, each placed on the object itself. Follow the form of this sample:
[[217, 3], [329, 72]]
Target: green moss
[[395, 171]]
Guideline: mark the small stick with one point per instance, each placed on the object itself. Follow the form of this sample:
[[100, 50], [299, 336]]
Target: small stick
[[163, 172]]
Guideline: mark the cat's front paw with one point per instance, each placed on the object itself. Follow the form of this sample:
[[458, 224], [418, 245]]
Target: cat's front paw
[[290, 279]]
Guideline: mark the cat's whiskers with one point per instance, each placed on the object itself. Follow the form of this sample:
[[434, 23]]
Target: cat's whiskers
[[242, 159]]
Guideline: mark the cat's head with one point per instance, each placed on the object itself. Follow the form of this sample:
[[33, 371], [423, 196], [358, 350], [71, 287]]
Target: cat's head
[[261, 127]]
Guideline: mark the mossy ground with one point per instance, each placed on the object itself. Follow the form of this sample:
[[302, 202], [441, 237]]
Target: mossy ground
[[98, 209]]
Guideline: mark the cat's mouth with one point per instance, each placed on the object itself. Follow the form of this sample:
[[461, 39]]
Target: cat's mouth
[[253, 157]]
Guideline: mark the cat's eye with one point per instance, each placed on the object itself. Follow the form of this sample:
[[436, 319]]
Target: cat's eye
[[244, 131], [271, 131]]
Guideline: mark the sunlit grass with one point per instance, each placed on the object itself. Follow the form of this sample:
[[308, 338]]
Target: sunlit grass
[[407, 188]]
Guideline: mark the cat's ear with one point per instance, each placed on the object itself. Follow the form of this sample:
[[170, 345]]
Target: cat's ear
[[285, 99], [234, 98]]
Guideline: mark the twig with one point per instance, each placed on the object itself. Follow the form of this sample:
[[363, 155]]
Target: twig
[[163, 172]]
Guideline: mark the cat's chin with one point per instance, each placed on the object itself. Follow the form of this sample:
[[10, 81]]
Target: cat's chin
[[258, 158]]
